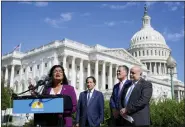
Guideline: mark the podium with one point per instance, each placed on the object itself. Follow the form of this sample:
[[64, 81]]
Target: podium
[[47, 109]]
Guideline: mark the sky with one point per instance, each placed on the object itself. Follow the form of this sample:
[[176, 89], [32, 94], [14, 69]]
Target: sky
[[110, 24]]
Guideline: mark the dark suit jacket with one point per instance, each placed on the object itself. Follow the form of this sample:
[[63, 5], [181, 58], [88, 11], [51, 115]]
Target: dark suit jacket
[[138, 103], [93, 112], [114, 100]]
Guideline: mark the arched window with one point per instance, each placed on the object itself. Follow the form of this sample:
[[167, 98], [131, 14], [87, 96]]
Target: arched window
[[162, 53], [135, 54], [139, 53], [151, 52], [147, 52], [155, 52], [143, 53]]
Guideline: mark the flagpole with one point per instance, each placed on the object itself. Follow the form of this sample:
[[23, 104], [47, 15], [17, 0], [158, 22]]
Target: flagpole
[[20, 47]]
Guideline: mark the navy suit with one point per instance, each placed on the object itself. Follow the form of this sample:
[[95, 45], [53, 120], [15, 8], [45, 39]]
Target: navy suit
[[93, 112], [115, 101]]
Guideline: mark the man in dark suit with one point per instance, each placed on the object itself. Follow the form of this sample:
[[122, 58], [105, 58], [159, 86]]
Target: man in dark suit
[[115, 102], [90, 109], [135, 99]]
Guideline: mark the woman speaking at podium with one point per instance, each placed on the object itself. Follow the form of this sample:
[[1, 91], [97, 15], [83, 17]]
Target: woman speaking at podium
[[59, 85]]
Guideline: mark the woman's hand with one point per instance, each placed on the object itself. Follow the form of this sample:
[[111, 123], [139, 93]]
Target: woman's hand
[[32, 90]]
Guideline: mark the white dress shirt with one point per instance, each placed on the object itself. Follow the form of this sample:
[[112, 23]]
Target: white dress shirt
[[90, 92]]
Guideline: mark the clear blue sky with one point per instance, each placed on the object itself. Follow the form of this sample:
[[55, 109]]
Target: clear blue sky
[[110, 24]]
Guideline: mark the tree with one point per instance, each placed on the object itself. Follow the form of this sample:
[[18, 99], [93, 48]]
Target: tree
[[6, 101]]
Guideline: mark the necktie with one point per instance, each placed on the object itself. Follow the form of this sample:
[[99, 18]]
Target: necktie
[[120, 88], [128, 95], [88, 97]]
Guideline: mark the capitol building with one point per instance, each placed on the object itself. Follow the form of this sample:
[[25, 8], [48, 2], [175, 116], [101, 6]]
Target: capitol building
[[148, 49]]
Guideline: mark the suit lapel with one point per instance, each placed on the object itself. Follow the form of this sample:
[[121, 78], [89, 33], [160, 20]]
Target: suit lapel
[[85, 97], [92, 97], [137, 85]]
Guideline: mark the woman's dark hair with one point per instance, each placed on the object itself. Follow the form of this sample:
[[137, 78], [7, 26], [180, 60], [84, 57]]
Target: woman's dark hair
[[65, 81], [94, 80]]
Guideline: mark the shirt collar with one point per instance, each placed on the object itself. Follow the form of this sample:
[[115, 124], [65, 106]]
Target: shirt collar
[[90, 91], [123, 82]]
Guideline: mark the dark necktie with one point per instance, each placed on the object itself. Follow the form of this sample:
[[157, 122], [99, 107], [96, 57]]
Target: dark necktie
[[88, 97]]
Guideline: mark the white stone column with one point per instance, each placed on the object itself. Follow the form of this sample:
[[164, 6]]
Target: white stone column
[[73, 81], [110, 76], [81, 85], [34, 70], [6, 76], [160, 69], [64, 62], [96, 75], [88, 68], [103, 76], [116, 80], [178, 95], [55, 62], [145, 52], [155, 68], [12, 76], [150, 67]]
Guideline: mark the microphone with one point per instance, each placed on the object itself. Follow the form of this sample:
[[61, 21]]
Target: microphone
[[45, 81]]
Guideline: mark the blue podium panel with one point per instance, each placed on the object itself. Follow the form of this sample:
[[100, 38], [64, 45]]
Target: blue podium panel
[[49, 105]]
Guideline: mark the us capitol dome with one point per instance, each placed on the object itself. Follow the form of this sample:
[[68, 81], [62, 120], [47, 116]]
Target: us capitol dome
[[150, 47]]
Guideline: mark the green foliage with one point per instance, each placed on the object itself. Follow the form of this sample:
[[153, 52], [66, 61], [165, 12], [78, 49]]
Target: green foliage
[[29, 124], [167, 113], [107, 113], [6, 98]]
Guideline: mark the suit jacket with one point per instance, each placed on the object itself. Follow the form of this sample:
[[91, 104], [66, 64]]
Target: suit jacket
[[67, 115], [115, 100], [93, 112], [138, 103]]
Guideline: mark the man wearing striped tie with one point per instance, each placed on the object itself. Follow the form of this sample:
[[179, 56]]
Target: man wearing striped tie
[[135, 100]]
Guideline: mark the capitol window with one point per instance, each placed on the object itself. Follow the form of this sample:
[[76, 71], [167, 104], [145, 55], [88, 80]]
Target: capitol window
[[30, 68], [24, 70], [143, 53], [37, 66], [162, 53], [69, 66], [18, 72], [46, 64]]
